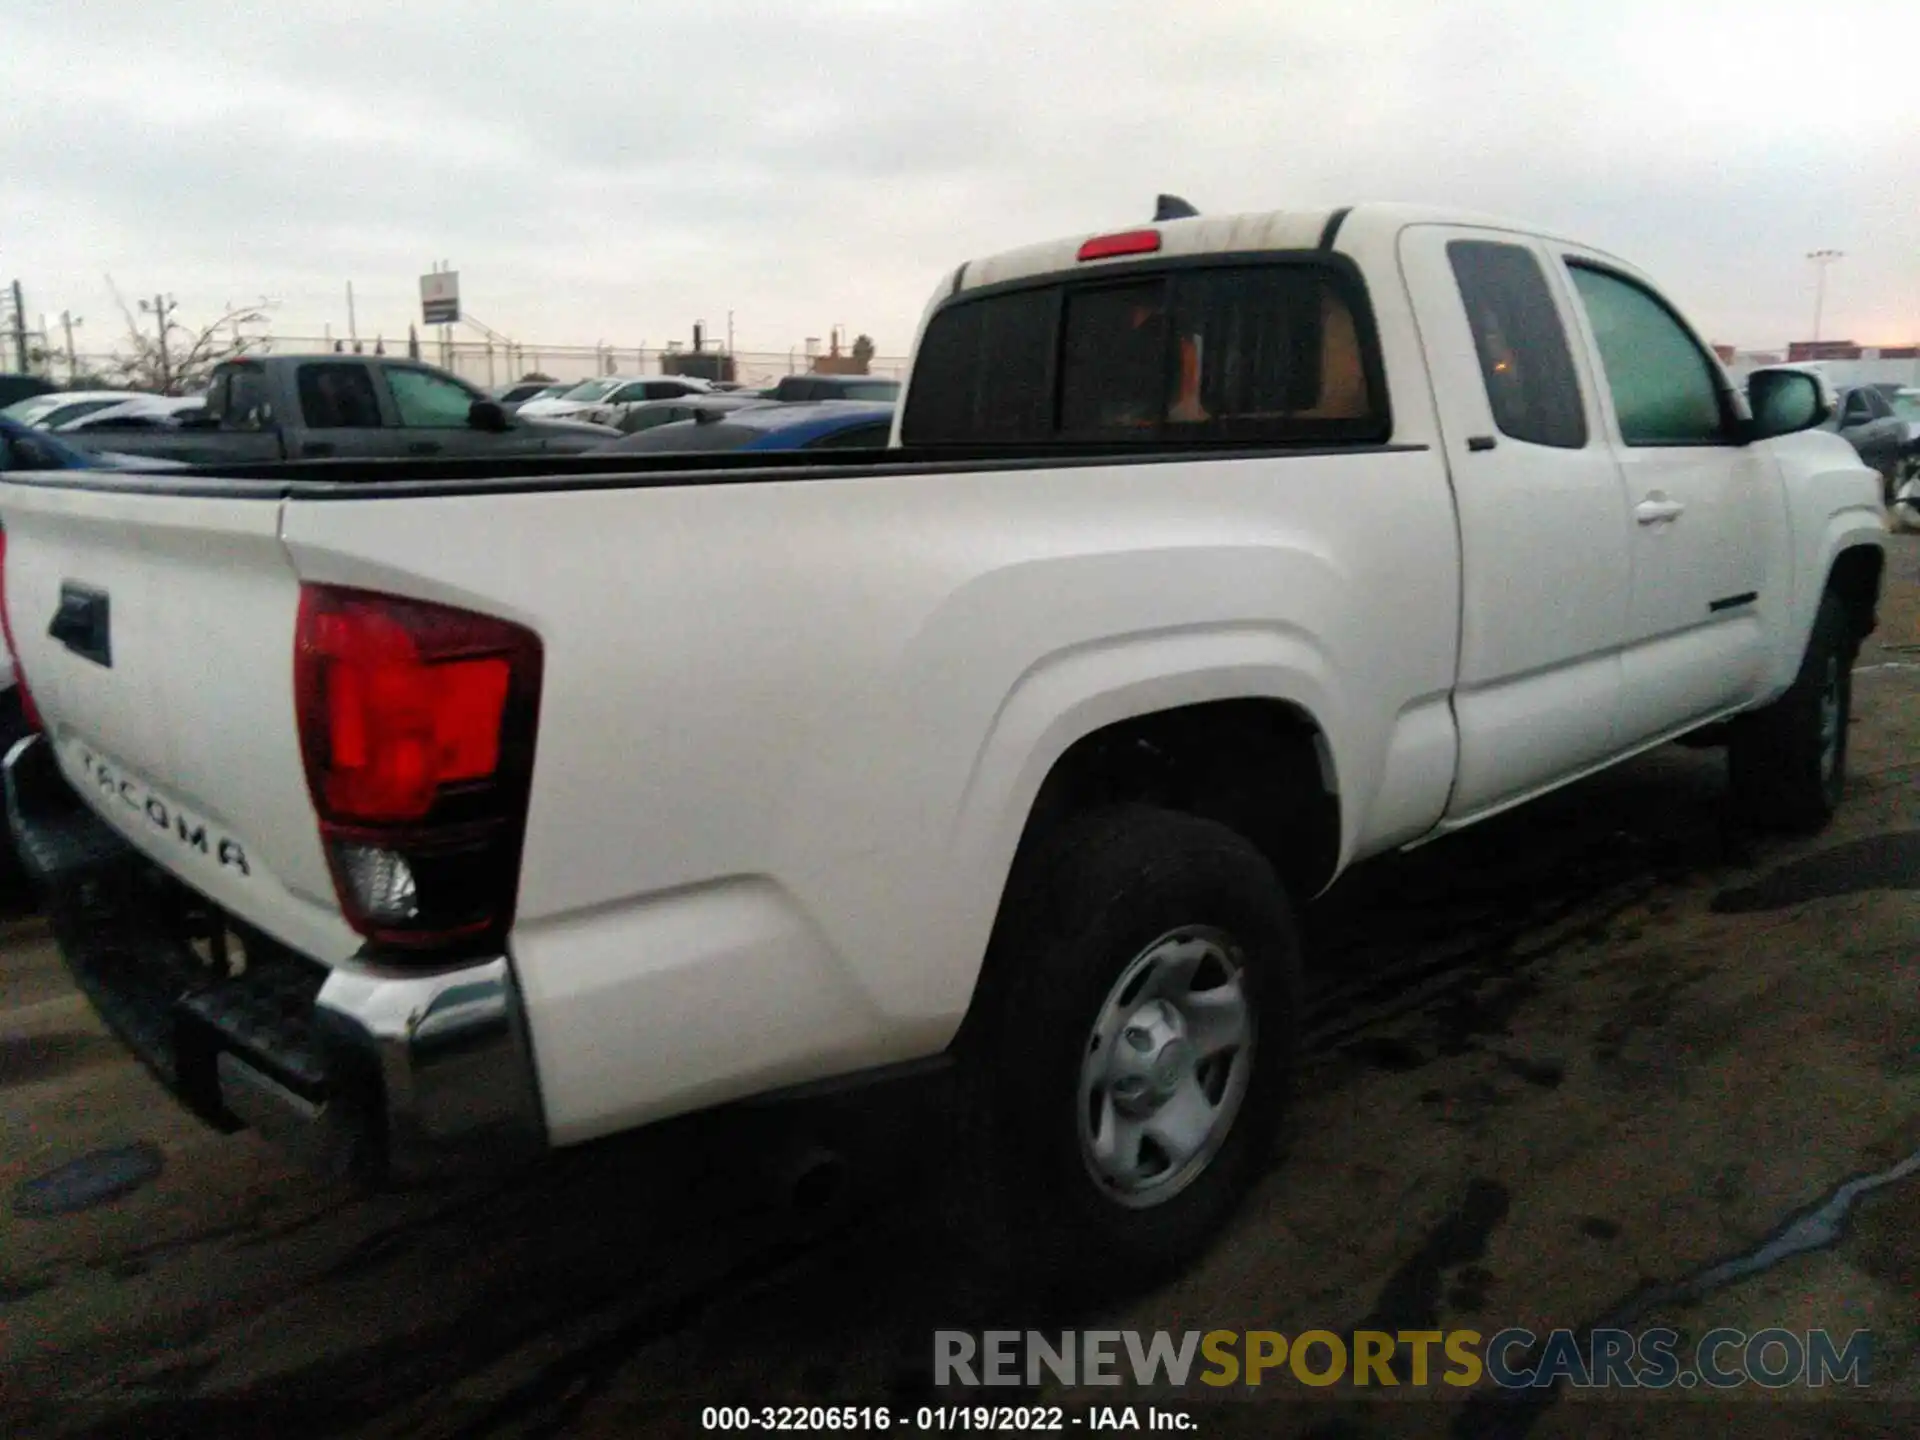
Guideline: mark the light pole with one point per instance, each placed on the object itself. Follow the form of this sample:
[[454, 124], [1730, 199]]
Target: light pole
[[1821, 260]]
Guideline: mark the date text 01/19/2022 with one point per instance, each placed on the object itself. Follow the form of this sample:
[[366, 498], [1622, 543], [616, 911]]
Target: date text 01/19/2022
[[939, 1418]]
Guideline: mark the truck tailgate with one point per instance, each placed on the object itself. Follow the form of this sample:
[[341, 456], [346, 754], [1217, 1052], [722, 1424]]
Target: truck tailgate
[[167, 689]]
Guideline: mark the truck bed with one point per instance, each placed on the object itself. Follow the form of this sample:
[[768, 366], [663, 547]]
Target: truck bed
[[333, 479]]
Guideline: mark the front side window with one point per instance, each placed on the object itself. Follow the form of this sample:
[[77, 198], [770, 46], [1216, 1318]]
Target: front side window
[[1249, 353], [1525, 360], [1664, 392], [426, 400]]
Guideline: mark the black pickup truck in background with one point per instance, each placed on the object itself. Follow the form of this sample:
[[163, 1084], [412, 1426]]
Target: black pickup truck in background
[[316, 407]]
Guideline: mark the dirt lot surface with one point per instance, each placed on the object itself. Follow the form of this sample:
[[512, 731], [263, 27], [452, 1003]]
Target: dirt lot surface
[[1561, 1067]]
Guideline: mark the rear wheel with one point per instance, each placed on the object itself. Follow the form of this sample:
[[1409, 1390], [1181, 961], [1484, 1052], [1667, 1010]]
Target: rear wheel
[[1131, 1073], [1788, 762], [16, 891]]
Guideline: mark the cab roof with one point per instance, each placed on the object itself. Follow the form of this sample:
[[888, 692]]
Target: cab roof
[[1335, 227]]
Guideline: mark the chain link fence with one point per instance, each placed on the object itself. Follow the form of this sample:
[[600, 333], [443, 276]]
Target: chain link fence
[[492, 364]]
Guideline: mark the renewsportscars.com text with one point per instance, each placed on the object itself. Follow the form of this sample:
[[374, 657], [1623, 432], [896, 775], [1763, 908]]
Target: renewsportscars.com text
[[1511, 1359]]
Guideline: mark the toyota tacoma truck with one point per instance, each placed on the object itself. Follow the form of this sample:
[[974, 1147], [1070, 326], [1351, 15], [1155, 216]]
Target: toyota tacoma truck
[[353, 407], [444, 813]]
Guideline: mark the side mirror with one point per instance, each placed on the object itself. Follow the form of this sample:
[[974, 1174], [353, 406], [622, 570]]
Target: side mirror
[[1785, 402], [488, 415]]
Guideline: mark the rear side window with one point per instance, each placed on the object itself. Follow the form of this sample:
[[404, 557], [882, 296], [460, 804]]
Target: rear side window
[[249, 406], [1524, 356], [338, 397], [1265, 353]]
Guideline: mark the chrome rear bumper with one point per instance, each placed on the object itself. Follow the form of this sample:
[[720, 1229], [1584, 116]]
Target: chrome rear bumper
[[390, 1074]]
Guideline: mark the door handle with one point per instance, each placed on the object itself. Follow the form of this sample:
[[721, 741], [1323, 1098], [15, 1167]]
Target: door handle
[[1656, 508], [424, 447], [82, 623]]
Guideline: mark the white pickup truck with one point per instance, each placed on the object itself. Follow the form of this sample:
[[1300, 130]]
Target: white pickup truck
[[443, 812]]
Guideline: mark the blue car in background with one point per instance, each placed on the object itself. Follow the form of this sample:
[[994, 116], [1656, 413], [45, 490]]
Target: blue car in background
[[24, 448], [812, 425]]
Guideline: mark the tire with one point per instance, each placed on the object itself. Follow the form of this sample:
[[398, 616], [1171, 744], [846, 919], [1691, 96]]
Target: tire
[[1141, 895], [1788, 763], [1905, 504], [16, 890]]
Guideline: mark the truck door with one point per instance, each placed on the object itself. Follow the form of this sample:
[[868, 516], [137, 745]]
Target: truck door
[[1701, 498], [432, 413], [340, 413], [242, 422], [1543, 526]]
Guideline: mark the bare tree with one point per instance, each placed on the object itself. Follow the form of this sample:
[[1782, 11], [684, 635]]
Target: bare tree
[[175, 359], [863, 352]]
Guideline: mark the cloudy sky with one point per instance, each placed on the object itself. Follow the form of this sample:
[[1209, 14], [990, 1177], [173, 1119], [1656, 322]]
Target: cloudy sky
[[615, 171]]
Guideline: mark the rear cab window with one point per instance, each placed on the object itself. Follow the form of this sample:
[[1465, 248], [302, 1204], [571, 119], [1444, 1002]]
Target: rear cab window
[[1275, 350]]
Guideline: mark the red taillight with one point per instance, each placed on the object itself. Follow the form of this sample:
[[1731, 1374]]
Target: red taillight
[[1127, 242], [416, 723], [27, 707]]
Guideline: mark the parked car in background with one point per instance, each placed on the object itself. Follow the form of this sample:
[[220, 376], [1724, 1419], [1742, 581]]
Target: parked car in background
[[349, 407], [649, 414], [833, 387], [594, 400], [24, 448], [819, 425], [1905, 400], [138, 412], [64, 406], [1866, 420], [608, 411], [521, 391], [14, 388]]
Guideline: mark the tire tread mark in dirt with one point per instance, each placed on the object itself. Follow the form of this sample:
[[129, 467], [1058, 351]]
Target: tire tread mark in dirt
[[1453, 974], [1410, 1298], [1888, 861], [1511, 1414], [359, 1387]]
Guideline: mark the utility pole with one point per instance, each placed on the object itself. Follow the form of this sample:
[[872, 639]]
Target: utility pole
[[729, 332], [1821, 260], [353, 331], [19, 328], [161, 307], [163, 312], [67, 321]]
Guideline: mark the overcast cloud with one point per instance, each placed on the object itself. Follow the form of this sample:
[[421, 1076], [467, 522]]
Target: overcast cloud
[[615, 171]]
